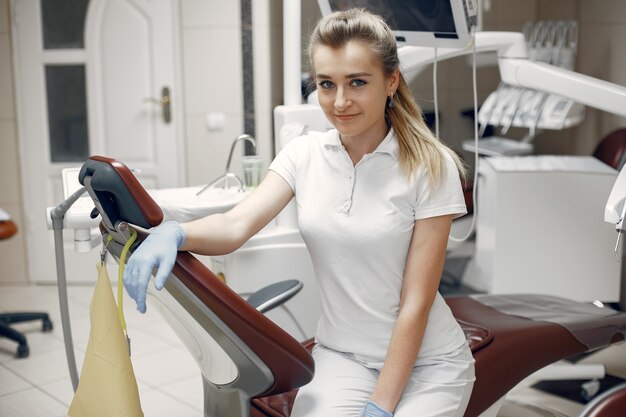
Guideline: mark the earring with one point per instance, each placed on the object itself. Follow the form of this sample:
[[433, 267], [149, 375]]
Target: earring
[[390, 101]]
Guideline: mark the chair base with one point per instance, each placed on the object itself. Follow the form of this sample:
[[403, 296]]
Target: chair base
[[9, 318]]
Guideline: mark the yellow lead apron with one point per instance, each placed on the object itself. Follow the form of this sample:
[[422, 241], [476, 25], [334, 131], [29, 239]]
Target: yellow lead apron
[[107, 385]]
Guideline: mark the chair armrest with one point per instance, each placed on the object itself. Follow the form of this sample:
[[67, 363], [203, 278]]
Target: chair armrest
[[271, 296]]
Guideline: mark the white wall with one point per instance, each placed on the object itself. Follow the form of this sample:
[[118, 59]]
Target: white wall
[[212, 78], [267, 35], [12, 251]]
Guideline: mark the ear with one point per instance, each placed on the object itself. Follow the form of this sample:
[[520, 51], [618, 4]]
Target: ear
[[394, 80]]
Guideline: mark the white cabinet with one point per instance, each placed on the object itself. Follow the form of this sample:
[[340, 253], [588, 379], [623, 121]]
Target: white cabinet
[[540, 228]]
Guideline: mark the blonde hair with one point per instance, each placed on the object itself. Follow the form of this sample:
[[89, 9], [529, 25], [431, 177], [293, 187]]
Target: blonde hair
[[418, 145]]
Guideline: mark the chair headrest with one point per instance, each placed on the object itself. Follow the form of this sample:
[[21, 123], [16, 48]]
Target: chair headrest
[[119, 193]]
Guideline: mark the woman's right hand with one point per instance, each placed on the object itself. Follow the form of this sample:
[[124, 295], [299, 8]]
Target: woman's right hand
[[159, 251]]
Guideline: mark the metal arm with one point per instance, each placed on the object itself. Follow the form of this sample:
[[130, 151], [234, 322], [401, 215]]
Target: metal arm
[[587, 90]]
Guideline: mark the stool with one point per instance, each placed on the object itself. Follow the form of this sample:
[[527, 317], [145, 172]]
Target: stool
[[8, 229]]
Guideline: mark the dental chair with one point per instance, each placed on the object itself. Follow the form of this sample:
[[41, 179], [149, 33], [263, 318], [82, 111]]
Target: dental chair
[[7, 230], [511, 337]]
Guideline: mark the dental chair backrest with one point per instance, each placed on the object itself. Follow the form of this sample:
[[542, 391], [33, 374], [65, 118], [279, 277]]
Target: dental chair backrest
[[612, 149], [268, 360]]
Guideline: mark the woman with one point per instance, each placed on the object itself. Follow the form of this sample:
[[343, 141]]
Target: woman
[[375, 199]]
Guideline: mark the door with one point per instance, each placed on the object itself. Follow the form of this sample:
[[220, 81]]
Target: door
[[93, 77]]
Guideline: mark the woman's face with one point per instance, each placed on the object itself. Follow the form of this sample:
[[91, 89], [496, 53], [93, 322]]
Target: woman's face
[[353, 89]]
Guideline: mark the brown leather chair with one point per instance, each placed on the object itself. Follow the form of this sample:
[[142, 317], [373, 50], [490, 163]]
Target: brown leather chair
[[271, 365], [7, 230], [507, 348]]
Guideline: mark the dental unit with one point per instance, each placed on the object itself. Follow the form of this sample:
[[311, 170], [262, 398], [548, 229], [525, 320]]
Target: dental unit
[[250, 366]]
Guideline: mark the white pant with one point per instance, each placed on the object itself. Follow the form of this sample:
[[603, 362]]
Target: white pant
[[438, 387]]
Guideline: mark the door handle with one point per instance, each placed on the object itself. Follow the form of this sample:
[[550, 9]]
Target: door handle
[[165, 103]]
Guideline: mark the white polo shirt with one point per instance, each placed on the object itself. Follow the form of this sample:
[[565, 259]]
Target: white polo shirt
[[357, 223]]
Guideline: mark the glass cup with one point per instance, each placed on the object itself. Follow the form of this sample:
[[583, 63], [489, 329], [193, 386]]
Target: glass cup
[[252, 170]]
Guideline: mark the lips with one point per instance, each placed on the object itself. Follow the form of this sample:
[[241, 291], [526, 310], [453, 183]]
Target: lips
[[345, 117]]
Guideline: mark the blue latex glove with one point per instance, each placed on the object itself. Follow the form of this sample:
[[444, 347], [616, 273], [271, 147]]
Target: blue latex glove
[[157, 251], [372, 409]]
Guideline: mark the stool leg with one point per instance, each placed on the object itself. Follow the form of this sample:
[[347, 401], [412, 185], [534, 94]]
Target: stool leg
[[20, 317], [22, 348]]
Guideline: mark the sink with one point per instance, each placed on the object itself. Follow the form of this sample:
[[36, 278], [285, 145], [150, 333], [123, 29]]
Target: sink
[[183, 205]]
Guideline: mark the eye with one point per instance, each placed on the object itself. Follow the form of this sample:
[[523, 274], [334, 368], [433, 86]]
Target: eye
[[357, 83], [326, 84]]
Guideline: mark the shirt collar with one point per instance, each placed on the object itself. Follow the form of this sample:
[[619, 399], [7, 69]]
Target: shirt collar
[[389, 145]]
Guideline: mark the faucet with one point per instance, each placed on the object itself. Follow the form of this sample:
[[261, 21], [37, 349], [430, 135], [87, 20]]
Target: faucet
[[241, 138], [227, 176]]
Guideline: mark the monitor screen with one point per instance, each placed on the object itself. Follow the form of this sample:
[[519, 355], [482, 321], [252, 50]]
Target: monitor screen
[[417, 22]]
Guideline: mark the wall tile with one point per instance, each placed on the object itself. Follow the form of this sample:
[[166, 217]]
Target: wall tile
[[264, 78], [7, 105], [261, 13], [490, 17], [615, 37], [9, 164], [557, 142], [588, 134], [212, 71], [514, 24], [12, 251], [457, 74], [276, 13], [604, 11], [459, 128], [276, 51], [601, 55], [214, 13], [207, 152], [595, 49], [422, 84], [4, 16], [310, 15], [557, 10], [514, 13]]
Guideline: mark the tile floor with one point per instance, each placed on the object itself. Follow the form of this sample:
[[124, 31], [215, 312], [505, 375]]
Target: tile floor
[[168, 378], [39, 386]]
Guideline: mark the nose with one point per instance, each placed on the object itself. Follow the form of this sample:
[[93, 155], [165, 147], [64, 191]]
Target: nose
[[342, 101]]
